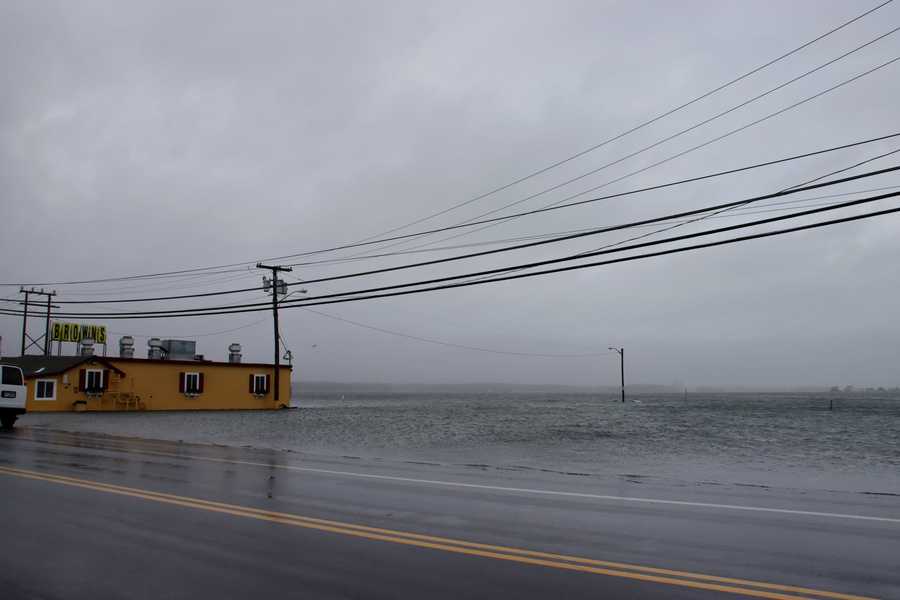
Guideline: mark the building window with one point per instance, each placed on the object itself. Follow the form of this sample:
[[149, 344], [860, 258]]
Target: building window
[[259, 384], [45, 389], [190, 383], [94, 381]]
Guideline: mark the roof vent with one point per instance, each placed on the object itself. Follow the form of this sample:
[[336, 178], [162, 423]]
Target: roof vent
[[126, 346], [87, 346], [234, 353], [154, 352]]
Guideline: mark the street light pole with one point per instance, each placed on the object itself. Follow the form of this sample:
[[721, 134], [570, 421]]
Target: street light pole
[[621, 353]]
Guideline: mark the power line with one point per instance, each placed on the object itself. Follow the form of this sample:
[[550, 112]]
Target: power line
[[559, 207], [583, 234], [632, 129], [451, 344], [327, 299], [194, 335], [845, 169], [596, 231], [668, 159], [606, 262], [536, 236], [545, 272], [191, 281], [718, 212], [692, 127], [525, 177], [620, 249]]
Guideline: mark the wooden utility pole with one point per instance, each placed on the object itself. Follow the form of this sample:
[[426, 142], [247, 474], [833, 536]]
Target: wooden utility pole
[[47, 327], [27, 338], [24, 319], [276, 288]]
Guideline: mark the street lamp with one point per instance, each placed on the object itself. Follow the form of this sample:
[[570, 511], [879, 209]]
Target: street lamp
[[621, 353]]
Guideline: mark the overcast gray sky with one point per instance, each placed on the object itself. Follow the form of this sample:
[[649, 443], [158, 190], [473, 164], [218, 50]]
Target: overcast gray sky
[[138, 137]]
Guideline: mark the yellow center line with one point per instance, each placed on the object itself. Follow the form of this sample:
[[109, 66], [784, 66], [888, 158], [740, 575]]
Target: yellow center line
[[558, 561], [504, 549]]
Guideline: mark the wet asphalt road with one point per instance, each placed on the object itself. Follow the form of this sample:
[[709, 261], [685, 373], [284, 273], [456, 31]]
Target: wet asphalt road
[[89, 516]]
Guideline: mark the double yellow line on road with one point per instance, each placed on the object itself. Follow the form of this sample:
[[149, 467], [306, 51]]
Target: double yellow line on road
[[558, 561]]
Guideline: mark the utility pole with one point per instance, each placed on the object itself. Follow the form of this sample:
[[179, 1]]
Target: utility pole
[[278, 287], [25, 337], [24, 319], [47, 327], [621, 353]]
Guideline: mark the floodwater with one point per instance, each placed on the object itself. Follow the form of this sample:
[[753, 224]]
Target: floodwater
[[787, 440]]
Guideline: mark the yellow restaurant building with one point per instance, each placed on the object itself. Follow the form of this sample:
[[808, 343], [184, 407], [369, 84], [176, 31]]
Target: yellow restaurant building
[[99, 383]]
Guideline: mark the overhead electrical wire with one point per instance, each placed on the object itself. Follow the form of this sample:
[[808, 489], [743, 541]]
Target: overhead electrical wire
[[594, 231], [845, 169], [559, 206], [539, 273], [633, 129], [730, 206], [454, 345], [718, 207], [478, 219], [312, 301], [194, 335], [536, 236], [650, 188], [669, 158], [161, 286], [522, 178], [612, 261], [715, 174], [691, 128], [606, 250], [718, 212]]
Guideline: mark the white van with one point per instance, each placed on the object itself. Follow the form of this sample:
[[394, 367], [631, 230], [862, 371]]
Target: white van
[[12, 395]]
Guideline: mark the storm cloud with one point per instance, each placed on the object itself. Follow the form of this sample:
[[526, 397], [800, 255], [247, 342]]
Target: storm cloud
[[138, 137]]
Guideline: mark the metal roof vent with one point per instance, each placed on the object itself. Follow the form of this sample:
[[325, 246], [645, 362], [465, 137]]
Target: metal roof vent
[[126, 346], [87, 346], [234, 353], [154, 352]]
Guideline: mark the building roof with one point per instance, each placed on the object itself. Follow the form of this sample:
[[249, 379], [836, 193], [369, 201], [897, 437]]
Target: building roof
[[34, 366], [37, 365], [195, 363]]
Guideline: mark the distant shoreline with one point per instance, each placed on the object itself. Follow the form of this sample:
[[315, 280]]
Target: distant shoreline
[[636, 389]]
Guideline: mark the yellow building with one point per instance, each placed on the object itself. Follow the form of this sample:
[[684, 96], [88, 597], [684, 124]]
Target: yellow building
[[96, 383]]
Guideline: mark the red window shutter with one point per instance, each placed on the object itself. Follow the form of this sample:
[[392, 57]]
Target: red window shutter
[[181, 382], [105, 383], [82, 379], [200, 383], [268, 385], [251, 384]]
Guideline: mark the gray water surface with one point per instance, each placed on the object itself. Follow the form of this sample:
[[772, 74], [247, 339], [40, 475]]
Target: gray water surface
[[789, 440]]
